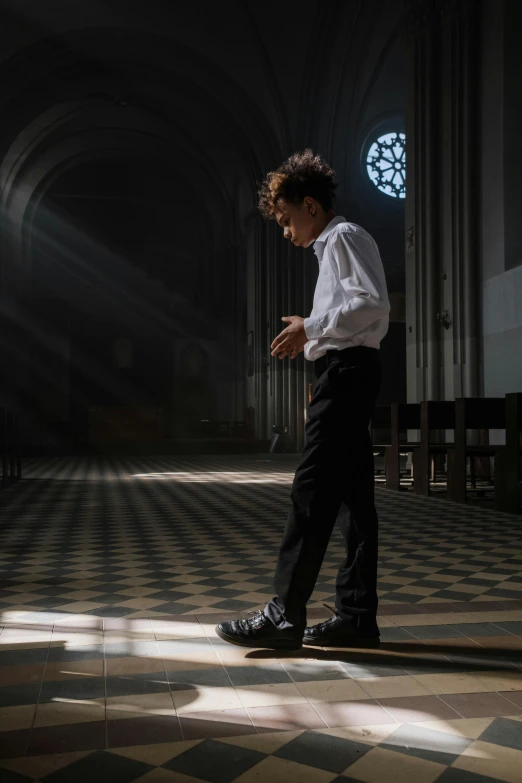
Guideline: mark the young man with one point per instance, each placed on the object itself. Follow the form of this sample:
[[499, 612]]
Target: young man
[[335, 477]]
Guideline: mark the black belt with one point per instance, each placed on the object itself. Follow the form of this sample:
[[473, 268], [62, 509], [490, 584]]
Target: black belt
[[357, 354]]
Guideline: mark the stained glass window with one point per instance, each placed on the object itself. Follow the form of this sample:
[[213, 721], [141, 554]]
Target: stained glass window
[[386, 164]]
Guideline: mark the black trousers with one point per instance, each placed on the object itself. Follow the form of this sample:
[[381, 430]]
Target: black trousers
[[334, 481]]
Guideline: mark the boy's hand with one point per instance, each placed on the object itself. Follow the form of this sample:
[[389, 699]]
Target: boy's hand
[[292, 340]]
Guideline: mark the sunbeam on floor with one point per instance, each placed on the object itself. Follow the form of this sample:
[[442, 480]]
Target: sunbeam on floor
[[114, 574]]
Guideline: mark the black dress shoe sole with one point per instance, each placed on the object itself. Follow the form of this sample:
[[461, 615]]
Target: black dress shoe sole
[[368, 643], [270, 644]]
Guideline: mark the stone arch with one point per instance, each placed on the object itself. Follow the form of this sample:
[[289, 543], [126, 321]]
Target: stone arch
[[102, 61], [113, 99], [29, 170], [101, 92]]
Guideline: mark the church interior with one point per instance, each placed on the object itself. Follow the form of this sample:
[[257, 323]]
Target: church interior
[[149, 439]]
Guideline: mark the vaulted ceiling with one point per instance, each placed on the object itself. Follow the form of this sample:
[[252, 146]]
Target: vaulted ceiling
[[221, 90]]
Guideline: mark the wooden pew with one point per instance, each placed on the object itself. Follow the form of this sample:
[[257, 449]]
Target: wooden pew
[[17, 446], [381, 420], [394, 419], [10, 446], [380, 429], [227, 430], [404, 417], [471, 413], [434, 415], [4, 445], [508, 461]]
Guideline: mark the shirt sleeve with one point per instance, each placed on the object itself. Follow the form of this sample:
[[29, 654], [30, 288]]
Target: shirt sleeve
[[362, 278]]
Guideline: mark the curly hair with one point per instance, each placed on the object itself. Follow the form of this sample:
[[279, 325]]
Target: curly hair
[[303, 174]]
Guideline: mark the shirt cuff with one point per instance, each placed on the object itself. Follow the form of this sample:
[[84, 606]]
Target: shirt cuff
[[313, 328]]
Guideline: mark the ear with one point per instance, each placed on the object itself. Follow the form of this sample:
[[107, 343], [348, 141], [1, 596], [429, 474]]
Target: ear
[[310, 206]]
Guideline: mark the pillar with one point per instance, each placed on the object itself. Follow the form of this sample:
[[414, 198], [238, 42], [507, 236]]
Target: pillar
[[281, 282], [442, 252]]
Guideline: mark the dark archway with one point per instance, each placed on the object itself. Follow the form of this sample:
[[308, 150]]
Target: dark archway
[[161, 138]]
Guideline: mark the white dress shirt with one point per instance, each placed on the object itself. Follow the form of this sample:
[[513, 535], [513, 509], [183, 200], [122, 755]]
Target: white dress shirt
[[351, 305]]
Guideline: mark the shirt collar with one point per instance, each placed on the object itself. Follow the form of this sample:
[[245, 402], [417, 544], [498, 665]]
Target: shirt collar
[[321, 240]]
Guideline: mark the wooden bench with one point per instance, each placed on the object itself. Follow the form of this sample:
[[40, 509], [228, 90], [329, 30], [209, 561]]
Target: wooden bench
[[508, 461], [404, 417], [226, 430], [472, 413], [125, 424], [395, 419], [434, 415], [380, 425]]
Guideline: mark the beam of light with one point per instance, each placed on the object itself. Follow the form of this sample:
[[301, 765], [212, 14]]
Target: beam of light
[[121, 285], [192, 697], [90, 702], [225, 477]]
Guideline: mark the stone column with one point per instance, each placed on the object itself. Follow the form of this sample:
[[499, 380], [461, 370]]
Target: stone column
[[281, 285], [260, 332], [442, 260]]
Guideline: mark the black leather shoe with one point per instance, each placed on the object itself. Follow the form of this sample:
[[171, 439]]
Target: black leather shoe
[[258, 631], [337, 632]]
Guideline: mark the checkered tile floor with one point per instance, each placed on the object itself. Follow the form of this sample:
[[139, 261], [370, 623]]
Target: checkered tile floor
[[115, 572]]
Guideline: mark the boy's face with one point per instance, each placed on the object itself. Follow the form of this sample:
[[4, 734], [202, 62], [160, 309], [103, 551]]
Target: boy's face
[[297, 221]]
